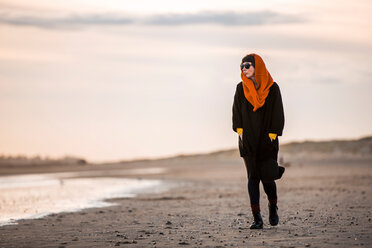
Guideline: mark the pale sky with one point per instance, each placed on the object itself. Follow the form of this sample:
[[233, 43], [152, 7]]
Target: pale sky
[[109, 80]]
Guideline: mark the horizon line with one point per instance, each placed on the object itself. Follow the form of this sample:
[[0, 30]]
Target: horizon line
[[163, 157]]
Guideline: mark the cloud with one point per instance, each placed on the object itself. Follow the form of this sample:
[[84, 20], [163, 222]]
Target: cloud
[[13, 17], [71, 21], [222, 18]]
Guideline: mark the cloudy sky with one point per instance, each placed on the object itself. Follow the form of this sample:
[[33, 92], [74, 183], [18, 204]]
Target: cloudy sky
[[110, 80]]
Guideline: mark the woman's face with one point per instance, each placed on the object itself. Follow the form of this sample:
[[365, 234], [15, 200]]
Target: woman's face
[[248, 72]]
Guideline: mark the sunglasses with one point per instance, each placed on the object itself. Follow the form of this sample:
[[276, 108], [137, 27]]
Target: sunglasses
[[246, 65]]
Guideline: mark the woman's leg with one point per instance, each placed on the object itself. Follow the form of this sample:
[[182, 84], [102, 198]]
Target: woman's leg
[[254, 194], [253, 185], [270, 190]]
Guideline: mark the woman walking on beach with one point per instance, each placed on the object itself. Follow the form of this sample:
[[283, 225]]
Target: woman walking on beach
[[258, 118]]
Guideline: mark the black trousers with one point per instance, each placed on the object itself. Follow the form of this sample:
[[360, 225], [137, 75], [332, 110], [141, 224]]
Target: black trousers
[[254, 183]]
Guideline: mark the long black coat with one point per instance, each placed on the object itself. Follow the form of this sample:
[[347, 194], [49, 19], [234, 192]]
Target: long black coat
[[257, 125]]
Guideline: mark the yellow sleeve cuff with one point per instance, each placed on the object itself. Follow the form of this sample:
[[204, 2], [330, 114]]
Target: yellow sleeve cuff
[[239, 131], [272, 136]]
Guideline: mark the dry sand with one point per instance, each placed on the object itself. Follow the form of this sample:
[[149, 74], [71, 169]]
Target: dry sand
[[321, 204]]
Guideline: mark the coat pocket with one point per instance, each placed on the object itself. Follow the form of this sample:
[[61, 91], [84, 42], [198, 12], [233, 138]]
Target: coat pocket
[[271, 144]]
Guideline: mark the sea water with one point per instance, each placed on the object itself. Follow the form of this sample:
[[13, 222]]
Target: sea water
[[37, 195]]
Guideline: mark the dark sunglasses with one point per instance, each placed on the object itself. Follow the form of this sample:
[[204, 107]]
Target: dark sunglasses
[[246, 65]]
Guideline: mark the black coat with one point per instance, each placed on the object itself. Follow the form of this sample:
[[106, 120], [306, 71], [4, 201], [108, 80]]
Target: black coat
[[257, 125]]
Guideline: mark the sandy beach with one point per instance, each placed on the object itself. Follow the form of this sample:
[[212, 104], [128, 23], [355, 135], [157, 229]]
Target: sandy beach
[[324, 203]]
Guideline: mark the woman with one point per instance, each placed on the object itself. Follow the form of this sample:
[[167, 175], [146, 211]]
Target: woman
[[258, 118]]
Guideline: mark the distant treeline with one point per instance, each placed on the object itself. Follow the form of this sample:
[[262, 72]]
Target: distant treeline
[[38, 160]]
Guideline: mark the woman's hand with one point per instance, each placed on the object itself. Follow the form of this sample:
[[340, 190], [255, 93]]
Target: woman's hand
[[272, 136], [240, 132]]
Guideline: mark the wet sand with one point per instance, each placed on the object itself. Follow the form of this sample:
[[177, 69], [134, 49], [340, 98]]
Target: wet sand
[[321, 204]]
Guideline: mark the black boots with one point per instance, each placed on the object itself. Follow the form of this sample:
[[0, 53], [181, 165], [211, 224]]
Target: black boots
[[273, 214], [273, 217], [258, 223]]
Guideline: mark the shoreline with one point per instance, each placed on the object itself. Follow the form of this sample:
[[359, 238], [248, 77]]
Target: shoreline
[[34, 196]]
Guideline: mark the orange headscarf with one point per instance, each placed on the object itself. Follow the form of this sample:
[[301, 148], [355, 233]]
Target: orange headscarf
[[264, 80]]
